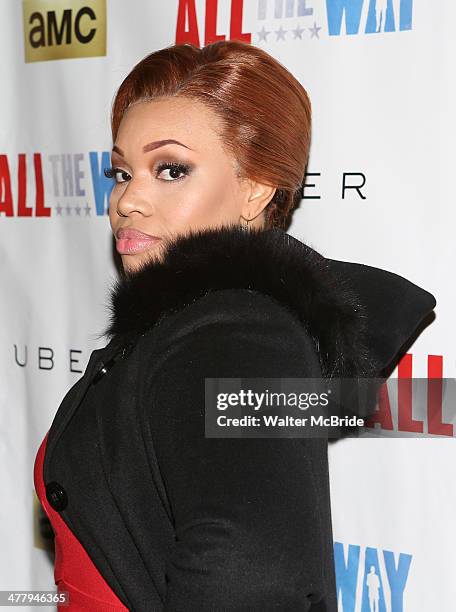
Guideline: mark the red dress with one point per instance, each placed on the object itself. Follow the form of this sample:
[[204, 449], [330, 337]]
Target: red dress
[[74, 571]]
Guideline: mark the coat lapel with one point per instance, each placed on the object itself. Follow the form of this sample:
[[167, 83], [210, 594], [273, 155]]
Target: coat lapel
[[100, 360]]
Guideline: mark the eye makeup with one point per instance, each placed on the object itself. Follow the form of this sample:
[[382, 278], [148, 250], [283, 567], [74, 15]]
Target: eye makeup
[[173, 167]]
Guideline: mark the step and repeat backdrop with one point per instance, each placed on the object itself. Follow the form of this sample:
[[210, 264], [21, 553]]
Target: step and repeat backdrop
[[379, 190]]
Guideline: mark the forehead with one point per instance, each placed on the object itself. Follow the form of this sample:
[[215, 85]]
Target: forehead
[[183, 119]]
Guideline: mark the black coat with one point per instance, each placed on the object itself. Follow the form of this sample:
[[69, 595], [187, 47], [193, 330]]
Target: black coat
[[178, 522]]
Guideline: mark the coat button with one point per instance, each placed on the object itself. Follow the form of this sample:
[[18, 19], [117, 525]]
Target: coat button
[[102, 371], [56, 496]]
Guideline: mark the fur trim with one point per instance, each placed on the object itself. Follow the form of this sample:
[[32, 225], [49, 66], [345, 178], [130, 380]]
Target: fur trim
[[271, 262]]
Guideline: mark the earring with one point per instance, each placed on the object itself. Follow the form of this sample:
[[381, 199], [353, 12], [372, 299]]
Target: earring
[[244, 225]]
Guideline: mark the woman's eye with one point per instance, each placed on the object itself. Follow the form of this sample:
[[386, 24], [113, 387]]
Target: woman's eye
[[172, 170], [113, 172]]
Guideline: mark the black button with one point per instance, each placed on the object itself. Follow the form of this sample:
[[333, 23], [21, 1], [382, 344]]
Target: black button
[[102, 371], [56, 496]]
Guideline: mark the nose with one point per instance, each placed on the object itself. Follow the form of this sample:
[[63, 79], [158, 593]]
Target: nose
[[135, 198]]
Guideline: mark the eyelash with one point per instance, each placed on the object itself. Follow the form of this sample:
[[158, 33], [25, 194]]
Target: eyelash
[[185, 168]]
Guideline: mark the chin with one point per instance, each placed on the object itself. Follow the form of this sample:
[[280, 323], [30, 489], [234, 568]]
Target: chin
[[132, 263]]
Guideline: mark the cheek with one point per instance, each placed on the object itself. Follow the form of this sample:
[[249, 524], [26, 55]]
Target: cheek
[[112, 210], [112, 200], [216, 200], [202, 210]]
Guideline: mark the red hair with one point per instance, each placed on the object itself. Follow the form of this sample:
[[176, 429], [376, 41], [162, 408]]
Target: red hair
[[265, 111]]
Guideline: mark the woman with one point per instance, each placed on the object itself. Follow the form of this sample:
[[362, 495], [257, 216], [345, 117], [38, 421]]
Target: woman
[[210, 150]]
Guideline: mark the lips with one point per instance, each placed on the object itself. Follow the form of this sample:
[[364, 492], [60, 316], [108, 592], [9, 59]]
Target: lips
[[130, 241], [133, 234]]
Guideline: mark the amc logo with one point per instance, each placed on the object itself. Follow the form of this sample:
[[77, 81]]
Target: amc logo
[[63, 29]]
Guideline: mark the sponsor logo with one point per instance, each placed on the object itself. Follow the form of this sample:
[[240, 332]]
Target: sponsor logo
[[63, 29]]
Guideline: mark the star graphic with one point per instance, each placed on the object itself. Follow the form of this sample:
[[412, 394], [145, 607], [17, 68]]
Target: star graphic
[[58, 208], [68, 209], [262, 34], [78, 211], [298, 31], [87, 209], [281, 33], [314, 31]]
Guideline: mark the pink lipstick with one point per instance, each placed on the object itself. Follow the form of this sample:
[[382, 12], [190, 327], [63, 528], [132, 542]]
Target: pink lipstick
[[130, 241]]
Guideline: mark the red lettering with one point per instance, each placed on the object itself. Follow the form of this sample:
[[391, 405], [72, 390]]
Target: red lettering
[[210, 31], [41, 209], [383, 414], [187, 10], [434, 398], [187, 23], [236, 22], [6, 198], [22, 209], [405, 421]]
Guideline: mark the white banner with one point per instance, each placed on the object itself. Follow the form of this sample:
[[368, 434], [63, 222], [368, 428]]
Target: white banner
[[380, 76]]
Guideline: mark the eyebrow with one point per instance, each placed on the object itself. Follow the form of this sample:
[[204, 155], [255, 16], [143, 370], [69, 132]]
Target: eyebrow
[[153, 145]]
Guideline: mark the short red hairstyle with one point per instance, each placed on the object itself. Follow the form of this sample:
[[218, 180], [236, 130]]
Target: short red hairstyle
[[265, 111]]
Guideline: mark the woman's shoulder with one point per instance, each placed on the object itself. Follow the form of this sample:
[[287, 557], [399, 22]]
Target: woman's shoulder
[[231, 305], [269, 284], [235, 328]]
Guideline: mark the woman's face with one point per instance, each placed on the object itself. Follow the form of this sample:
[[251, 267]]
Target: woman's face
[[163, 188]]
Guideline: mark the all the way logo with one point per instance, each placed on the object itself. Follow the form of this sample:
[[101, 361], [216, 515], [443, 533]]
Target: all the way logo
[[370, 579], [286, 20], [75, 185], [333, 17]]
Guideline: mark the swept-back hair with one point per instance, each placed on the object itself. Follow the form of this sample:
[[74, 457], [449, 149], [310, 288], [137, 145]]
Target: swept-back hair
[[264, 110]]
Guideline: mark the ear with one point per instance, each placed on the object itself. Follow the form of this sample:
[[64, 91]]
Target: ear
[[258, 196]]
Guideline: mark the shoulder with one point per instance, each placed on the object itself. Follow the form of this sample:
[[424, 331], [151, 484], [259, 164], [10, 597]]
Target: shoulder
[[223, 306], [229, 332]]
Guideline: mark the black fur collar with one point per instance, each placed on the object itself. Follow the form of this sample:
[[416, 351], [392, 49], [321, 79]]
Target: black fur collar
[[272, 262]]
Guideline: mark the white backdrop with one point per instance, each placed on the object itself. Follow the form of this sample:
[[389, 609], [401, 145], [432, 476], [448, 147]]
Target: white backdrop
[[383, 118]]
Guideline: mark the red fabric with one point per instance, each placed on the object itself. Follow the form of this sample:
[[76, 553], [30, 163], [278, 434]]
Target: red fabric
[[74, 571]]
